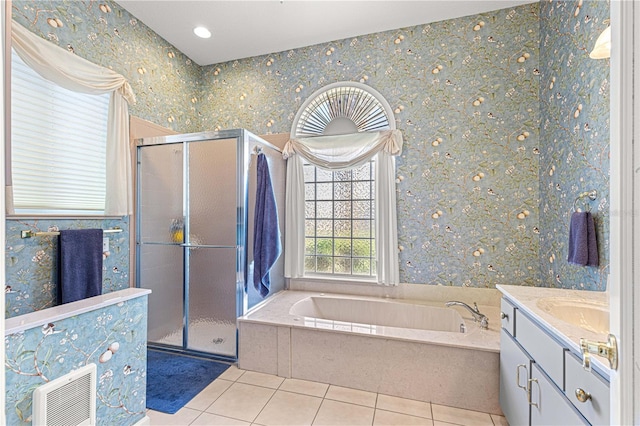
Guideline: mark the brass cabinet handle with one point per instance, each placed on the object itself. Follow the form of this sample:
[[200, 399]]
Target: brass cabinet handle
[[582, 395], [503, 315]]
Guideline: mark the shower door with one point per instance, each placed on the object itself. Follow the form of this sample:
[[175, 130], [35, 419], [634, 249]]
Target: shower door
[[188, 244]]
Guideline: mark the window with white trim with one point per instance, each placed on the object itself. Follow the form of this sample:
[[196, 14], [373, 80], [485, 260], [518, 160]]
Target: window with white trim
[[58, 146], [340, 205], [339, 221]]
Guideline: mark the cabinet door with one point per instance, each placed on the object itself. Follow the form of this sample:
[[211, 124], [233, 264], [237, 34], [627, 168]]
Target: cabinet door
[[549, 406], [515, 366]]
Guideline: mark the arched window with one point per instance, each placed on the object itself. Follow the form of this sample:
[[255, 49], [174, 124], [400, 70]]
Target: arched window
[[340, 185]]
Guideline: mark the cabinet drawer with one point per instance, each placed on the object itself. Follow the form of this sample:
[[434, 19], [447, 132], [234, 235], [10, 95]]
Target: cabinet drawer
[[596, 408], [545, 350], [507, 316]]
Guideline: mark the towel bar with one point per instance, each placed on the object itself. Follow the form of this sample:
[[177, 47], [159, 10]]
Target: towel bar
[[29, 234]]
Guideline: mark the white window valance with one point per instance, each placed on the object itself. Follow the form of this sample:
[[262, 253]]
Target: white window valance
[[338, 153], [77, 74]]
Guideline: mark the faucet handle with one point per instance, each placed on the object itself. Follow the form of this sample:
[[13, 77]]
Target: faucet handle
[[475, 307]]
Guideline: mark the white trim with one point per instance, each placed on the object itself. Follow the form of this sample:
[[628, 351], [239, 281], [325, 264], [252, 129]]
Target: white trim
[[5, 10], [623, 297]]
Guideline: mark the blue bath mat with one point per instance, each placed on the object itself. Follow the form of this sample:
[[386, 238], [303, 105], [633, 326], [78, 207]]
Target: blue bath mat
[[173, 380]]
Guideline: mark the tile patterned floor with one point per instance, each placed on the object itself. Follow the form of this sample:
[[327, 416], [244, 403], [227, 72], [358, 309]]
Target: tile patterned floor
[[241, 397]]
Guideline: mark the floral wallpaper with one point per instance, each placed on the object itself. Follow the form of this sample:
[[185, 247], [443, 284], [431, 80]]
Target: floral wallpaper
[[31, 263], [165, 81], [114, 338], [574, 106], [465, 95]]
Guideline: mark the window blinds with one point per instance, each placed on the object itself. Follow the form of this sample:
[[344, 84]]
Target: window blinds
[[58, 146]]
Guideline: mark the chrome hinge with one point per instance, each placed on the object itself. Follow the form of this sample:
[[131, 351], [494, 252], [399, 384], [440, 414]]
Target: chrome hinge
[[608, 349]]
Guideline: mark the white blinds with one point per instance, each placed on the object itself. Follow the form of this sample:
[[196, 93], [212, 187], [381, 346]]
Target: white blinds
[[58, 145]]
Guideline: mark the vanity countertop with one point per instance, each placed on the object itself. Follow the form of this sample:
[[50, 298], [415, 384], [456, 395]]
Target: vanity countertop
[[527, 298]]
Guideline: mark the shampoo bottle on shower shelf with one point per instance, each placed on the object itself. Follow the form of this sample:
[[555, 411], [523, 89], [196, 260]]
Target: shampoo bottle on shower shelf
[[177, 230]]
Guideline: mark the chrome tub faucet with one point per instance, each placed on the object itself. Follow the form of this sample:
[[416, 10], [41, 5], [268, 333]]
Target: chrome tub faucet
[[475, 312]]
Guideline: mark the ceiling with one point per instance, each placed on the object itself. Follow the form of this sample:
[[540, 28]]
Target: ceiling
[[244, 29]]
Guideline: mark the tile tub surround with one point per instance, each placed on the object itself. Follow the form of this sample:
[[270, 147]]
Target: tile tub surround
[[526, 298], [108, 330], [405, 363]]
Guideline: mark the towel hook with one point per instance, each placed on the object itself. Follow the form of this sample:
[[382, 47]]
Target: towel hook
[[593, 194]]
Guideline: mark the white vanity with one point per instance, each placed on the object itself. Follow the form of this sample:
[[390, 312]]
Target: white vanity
[[542, 379]]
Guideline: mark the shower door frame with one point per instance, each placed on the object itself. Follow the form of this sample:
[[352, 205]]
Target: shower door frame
[[243, 139]]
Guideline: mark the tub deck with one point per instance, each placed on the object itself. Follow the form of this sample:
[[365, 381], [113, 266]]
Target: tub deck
[[449, 368]]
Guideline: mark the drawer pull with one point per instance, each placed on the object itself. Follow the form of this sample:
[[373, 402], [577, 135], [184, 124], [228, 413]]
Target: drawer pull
[[582, 395], [518, 376], [503, 315]]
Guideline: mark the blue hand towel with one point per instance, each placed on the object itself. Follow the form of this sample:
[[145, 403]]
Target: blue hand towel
[[266, 231], [80, 267], [583, 247]]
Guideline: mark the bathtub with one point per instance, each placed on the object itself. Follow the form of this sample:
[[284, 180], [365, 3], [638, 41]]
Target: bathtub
[[385, 313], [416, 349]]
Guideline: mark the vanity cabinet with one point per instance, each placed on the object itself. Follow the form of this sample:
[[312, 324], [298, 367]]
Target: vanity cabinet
[[541, 381]]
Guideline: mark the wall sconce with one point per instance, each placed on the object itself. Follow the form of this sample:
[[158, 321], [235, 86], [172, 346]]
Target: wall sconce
[[602, 49]]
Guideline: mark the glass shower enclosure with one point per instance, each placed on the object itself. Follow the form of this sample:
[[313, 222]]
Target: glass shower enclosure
[[194, 223]]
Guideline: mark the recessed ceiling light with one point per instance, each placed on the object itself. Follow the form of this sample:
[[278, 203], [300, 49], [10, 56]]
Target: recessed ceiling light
[[202, 32]]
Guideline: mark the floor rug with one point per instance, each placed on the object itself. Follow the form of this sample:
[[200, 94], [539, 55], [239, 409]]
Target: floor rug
[[173, 380]]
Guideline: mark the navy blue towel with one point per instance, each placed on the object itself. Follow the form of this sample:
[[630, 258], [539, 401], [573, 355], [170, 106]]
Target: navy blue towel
[[583, 247], [80, 267], [266, 231]]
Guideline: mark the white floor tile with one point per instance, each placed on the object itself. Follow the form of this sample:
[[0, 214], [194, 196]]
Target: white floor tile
[[208, 419], [261, 379], [336, 413], [286, 408], [459, 416], [209, 394], [232, 373], [388, 418], [499, 420], [184, 416], [241, 401], [352, 396], [304, 387], [404, 406]]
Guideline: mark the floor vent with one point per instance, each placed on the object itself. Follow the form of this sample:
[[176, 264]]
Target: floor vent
[[69, 400]]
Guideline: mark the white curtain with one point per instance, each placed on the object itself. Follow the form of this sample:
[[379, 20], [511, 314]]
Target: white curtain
[[339, 153], [77, 74]]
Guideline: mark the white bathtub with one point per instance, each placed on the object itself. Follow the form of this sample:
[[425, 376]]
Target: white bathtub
[[379, 312], [403, 348]]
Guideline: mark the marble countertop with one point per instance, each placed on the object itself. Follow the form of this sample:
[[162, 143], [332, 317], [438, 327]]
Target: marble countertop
[[526, 298], [276, 312], [56, 313]]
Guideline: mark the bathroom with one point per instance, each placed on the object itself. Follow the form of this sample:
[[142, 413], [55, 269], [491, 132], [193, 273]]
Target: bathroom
[[496, 148]]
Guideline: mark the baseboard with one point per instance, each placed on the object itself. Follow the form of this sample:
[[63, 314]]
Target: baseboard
[[145, 421]]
